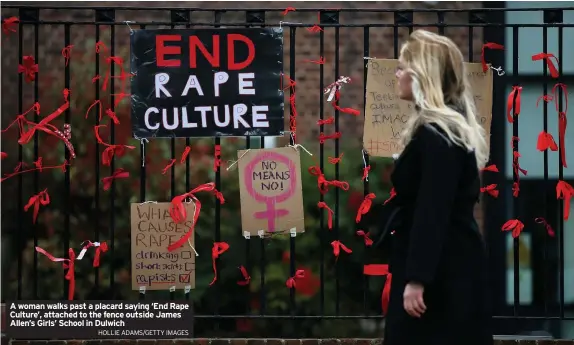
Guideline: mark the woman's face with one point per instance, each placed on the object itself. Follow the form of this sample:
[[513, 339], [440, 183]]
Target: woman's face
[[405, 83]]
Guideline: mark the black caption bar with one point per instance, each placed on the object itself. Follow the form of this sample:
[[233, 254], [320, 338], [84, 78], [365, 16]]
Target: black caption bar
[[98, 320]]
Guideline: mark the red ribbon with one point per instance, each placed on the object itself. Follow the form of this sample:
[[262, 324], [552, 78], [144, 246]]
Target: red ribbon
[[336, 106], [515, 225], [393, 194], [321, 61], [491, 168], [365, 235], [381, 270], [490, 189], [119, 173], [29, 68], [179, 214], [123, 76], [287, 10], [185, 154], [323, 137], [168, 166], [67, 264], [101, 247], [327, 121], [336, 160], [218, 249], [515, 189], [18, 171], [488, 45], [246, 278], [293, 117], [291, 282], [562, 120], [338, 246], [330, 212], [217, 158], [66, 53], [548, 58], [323, 184], [516, 90], [41, 198], [365, 206], [9, 24], [547, 226], [111, 150], [3, 155], [366, 172], [314, 29], [545, 142], [565, 191]]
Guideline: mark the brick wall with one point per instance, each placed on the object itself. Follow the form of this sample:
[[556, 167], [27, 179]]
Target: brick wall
[[265, 342]]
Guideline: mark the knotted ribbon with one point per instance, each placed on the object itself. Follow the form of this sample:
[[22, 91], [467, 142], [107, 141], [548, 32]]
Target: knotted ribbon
[[490, 189], [323, 184], [488, 45], [178, 212], [246, 278], [119, 173], [218, 249], [330, 212], [42, 198], [545, 142], [292, 281], [67, 264], [547, 226], [365, 235], [510, 104], [548, 59], [565, 191], [365, 206], [393, 194], [338, 246], [515, 225]]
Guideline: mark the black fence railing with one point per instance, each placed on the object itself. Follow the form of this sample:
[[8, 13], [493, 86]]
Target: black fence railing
[[335, 299]]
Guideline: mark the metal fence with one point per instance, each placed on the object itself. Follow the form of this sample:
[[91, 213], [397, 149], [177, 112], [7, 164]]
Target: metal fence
[[342, 301]]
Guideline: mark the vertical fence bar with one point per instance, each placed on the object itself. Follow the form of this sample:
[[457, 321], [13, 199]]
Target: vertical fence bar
[[366, 52], [440, 24], [292, 33], [97, 214], [67, 192], [143, 178], [111, 66], [217, 285], [322, 234], [254, 18], [515, 172], [561, 168], [21, 236], [334, 18], [36, 146], [546, 182]]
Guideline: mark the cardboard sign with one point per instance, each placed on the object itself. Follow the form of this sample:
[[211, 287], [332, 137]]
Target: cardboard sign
[[271, 191], [152, 231], [207, 82], [386, 114]]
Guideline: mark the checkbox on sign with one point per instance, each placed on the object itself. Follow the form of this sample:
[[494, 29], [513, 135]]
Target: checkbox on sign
[[184, 278]]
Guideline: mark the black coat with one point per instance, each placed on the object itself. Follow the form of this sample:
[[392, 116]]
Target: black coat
[[437, 243]]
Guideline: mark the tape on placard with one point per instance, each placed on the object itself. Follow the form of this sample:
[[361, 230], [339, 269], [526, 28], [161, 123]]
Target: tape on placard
[[247, 235], [395, 156], [142, 290], [261, 233], [293, 232], [171, 288], [187, 289]]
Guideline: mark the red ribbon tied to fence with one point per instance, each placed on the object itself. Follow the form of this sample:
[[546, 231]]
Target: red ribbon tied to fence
[[565, 191], [9, 25], [246, 277], [119, 173], [514, 225], [67, 264], [548, 59], [42, 198], [179, 214], [547, 226], [292, 281], [365, 206], [218, 249], [322, 204], [29, 68], [338, 246], [510, 105], [545, 142], [488, 45], [490, 189], [365, 235], [381, 270], [392, 195], [101, 247]]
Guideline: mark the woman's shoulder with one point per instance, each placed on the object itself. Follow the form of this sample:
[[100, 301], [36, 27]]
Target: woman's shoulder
[[431, 133]]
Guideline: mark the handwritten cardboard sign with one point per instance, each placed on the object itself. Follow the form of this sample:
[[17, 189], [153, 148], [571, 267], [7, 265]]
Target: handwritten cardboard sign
[[152, 231], [386, 114], [271, 191]]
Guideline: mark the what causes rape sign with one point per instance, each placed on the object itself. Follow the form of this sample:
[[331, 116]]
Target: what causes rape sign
[[271, 191], [207, 82]]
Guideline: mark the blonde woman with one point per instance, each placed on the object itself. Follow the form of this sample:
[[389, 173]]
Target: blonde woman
[[439, 291]]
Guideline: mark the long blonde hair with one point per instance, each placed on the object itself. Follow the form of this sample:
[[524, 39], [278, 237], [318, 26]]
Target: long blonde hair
[[439, 79]]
